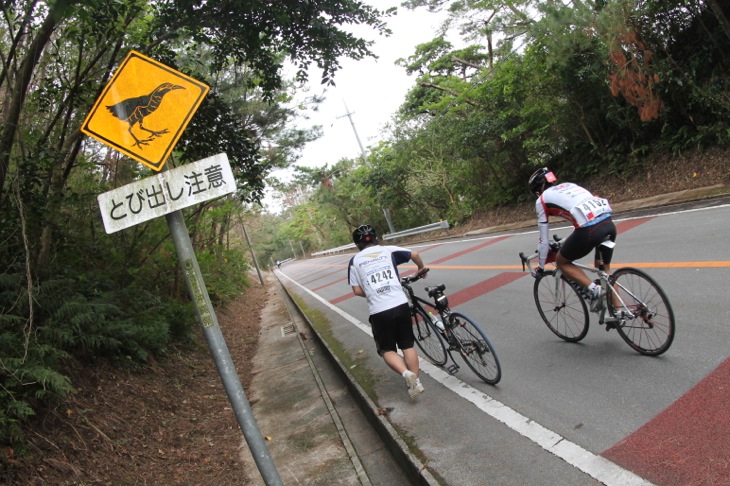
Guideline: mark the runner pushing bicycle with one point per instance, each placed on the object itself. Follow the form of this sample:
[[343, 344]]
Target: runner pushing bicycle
[[373, 274]]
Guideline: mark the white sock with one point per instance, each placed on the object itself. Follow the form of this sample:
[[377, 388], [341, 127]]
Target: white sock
[[405, 373], [592, 286]]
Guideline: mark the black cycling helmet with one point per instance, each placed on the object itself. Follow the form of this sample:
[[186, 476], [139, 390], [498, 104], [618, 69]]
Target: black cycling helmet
[[364, 235], [540, 179]]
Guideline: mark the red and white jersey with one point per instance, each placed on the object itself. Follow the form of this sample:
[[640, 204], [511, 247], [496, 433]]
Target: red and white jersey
[[571, 202]]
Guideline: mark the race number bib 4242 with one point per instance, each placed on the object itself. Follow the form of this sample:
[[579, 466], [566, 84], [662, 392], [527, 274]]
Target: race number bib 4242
[[380, 279]]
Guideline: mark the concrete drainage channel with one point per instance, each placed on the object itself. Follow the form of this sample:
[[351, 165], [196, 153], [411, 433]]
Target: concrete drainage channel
[[412, 466], [288, 330]]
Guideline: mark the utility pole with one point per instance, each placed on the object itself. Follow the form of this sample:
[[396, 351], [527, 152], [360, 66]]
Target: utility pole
[[253, 255], [349, 114]]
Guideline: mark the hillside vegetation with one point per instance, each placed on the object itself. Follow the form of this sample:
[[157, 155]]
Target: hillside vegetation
[[627, 98]]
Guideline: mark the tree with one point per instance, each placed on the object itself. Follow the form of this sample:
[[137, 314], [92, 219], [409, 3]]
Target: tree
[[121, 295]]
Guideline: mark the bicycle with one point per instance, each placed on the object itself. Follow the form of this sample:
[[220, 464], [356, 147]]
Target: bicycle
[[636, 305], [459, 333]]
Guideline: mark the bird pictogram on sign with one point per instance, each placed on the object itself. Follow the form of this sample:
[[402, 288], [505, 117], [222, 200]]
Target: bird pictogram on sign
[[144, 109], [134, 111]]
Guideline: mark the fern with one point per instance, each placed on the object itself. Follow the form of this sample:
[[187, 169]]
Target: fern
[[36, 376], [30, 375], [81, 318], [12, 414]]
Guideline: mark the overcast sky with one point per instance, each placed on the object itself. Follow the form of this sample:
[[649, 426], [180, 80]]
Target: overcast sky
[[372, 90]]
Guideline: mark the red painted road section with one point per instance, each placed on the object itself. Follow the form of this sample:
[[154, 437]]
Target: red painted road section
[[430, 248], [332, 283], [689, 442], [468, 250], [482, 288], [468, 293], [339, 299], [318, 277], [622, 226]]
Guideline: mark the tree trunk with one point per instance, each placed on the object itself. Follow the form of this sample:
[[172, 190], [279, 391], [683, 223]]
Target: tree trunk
[[71, 147], [19, 89]]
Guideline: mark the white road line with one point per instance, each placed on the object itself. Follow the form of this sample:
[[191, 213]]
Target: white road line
[[597, 467]]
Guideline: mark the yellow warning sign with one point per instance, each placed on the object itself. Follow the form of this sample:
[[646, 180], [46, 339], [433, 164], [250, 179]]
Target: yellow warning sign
[[144, 109]]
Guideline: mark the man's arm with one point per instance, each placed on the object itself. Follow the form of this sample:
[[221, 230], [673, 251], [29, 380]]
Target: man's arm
[[416, 258], [357, 290], [543, 246]]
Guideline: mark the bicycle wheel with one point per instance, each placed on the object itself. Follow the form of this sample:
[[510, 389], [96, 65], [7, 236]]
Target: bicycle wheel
[[649, 329], [475, 348], [427, 338], [561, 307]]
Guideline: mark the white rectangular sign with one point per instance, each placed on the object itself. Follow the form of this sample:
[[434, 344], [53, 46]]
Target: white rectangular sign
[[166, 192]]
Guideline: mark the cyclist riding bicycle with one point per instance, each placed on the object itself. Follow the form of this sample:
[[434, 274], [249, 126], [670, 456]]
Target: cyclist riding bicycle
[[589, 214]]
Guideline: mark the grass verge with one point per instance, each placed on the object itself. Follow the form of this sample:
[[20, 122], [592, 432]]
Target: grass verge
[[322, 326]]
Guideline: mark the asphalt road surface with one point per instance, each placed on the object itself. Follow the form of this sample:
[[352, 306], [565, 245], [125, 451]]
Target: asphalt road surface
[[564, 413]]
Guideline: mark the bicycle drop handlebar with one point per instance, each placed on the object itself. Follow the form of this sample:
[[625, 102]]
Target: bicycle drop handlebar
[[414, 278], [554, 246]]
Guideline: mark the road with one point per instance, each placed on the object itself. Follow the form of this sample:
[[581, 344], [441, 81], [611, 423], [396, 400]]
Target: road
[[561, 409]]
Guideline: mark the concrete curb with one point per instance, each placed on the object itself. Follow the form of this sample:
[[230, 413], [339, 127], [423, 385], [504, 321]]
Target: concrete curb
[[412, 466]]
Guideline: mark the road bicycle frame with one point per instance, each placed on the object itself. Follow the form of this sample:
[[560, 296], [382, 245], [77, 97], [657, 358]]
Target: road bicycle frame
[[460, 334], [443, 311], [622, 311]]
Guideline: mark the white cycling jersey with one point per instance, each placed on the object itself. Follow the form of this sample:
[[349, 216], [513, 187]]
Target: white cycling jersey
[[572, 202], [569, 201], [374, 269]]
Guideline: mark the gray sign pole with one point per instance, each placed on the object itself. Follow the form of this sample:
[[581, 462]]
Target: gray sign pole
[[217, 345]]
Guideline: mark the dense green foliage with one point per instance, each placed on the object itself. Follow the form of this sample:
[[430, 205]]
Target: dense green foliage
[[68, 291], [585, 87]]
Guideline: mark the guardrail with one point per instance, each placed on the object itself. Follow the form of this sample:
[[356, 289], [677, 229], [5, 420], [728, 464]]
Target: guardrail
[[334, 250], [399, 234], [417, 231]]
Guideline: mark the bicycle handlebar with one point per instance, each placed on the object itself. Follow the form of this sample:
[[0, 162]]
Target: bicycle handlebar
[[526, 262], [414, 278], [554, 246]]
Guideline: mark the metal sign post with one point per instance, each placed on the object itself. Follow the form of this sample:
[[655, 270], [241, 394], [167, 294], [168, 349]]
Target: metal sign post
[[219, 349], [141, 91], [167, 193]]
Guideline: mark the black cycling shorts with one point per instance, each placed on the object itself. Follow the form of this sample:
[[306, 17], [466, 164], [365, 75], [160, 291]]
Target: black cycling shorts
[[392, 329], [583, 240]]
